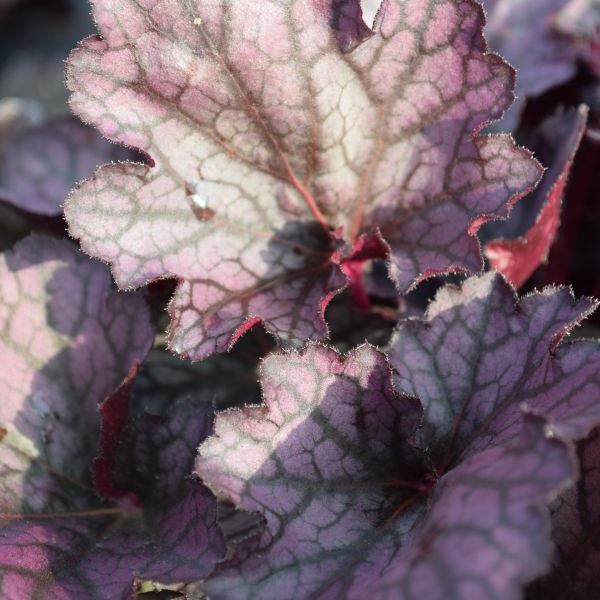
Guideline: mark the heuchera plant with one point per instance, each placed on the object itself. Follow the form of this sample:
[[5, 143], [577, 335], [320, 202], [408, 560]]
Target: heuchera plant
[[364, 497], [282, 146]]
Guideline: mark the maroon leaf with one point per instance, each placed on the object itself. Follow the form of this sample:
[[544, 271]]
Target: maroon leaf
[[480, 355], [67, 340], [283, 138], [576, 532], [345, 498], [114, 412], [517, 259], [43, 163]]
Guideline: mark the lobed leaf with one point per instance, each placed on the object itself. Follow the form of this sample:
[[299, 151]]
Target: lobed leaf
[[480, 355], [323, 461], [285, 138], [67, 340], [354, 511]]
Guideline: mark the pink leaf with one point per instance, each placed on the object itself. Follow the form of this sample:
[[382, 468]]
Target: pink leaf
[[517, 259], [282, 135]]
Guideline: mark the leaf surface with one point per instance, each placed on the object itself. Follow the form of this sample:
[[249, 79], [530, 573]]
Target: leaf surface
[[523, 33], [353, 511], [517, 259], [319, 461], [484, 534], [67, 341], [285, 137], [480, 355], [576, 532], [43, 163]]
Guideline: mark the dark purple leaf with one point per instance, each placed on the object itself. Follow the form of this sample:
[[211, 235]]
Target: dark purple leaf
[[576, 532], [353, 511]]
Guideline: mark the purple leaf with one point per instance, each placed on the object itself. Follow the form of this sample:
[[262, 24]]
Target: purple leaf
[[146, 462], [67, 341], [522, 33], [576, 530], [43, 163], [152, 453], [517, 259], [480, 355], [353, 511], [283, 142]]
